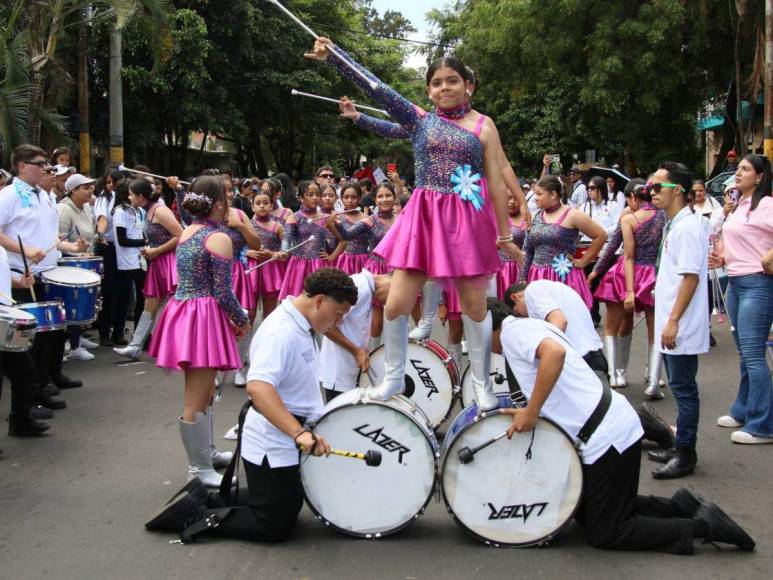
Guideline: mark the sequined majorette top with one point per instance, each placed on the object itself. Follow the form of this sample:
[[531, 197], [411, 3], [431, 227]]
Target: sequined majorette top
[[284, 213], [519, 236], [646, 237], [440, 147], [546, 241], [356, 234], [267, 231], [201, 274], [375, 235], [156, 234], [302, 230]]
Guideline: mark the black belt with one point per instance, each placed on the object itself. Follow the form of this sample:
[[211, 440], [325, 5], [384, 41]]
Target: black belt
[[593, 422]]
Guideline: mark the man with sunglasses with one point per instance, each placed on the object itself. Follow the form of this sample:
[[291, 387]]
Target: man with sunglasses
[[681, 309], [326, 176]]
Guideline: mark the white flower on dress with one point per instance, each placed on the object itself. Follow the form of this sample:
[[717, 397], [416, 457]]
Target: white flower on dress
[[466, 184], [562, 265]]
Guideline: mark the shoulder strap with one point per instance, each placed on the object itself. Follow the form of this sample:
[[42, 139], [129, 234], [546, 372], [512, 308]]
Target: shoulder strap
[[479, 125], [233, 467], [563, 216]]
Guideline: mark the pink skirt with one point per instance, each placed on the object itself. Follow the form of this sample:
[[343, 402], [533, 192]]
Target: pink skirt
[[193, 334], [376, 266], [443, 236], [268, 279], [351, 263], [297, 270], [453, 304], [575, 279], [506, 277], [161, 278], [242, 286], [612, 285]]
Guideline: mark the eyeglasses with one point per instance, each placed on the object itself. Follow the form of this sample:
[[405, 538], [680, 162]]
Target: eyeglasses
[[656, 187], [592, 188], [38, 163], [326, 176]]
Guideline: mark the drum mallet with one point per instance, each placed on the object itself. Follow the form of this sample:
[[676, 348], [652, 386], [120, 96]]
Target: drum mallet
[[372, 458], [467, 455]]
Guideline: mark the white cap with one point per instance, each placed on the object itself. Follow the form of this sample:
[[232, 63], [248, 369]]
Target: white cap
[[63, 169], [77, 180]]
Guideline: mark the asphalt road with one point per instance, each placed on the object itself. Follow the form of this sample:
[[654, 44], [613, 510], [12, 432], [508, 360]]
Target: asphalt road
[[72, 505]]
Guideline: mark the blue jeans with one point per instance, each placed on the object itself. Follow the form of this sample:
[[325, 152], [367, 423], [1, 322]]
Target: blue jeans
[[681, 370], [750, 307]]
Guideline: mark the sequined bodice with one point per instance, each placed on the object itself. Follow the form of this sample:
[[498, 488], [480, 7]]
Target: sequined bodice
[[237, 240], [519, 236], [156, 234], [356, 235], [267, 232], [647, 238], [550, 240], [301, 231]]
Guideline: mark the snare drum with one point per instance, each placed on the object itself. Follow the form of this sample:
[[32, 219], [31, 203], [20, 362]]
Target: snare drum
[[49, 315], [499, 380], [17, 329], [363, 501], [94, 263], [77, 288], [431, 378], [515, 493]]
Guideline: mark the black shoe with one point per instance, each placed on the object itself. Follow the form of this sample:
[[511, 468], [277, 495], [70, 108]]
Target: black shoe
[[661, 455], [65, 382], [50, 403], [39, 412], [687, 501], [195, 488], [106, 341], [52, 390], [712, 340], [722, 528], [681, 464], [28, 428], [173, 516], [655, 427]]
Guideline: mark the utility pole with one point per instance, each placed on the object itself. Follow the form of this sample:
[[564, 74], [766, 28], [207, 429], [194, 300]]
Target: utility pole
[[116, 98], [768, 134], [83, 93]]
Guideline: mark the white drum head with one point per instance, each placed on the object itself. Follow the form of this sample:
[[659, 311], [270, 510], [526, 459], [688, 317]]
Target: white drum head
[[69, 276], [10, 313], [504, 498], [427, 383], [497, 366], [370, 501]]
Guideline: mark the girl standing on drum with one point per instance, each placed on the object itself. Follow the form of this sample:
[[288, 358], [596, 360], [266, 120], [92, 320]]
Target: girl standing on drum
[[196, 331], [382, 221], [510, 274], [310, 257], [552, 241], [354, 228], [162, 232], [266, 280], [448, 230], [105, 247], [628, 285]]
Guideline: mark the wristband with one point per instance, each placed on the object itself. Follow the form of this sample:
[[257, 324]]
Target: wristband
[[505, 239]]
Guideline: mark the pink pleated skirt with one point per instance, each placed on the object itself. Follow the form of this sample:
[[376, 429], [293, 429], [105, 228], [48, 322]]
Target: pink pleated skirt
[[575, 279], [506, 277], [268, 279], [193, 334], [161, 277], [375, 265], [453, 303], [612, 285], [443, 236], [242, 286], [351, 263], [297, 270]]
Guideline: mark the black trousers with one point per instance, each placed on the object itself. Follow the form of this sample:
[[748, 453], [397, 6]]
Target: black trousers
[[275, 498], [615, 517], [107, 288], [47, 347], [20, 370], [597, 361], [124, 281]]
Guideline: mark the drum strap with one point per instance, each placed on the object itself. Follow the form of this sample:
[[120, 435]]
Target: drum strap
[[590, 426]]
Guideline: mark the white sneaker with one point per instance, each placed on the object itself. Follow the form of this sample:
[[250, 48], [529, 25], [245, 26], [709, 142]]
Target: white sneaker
[[81, 353], [240, 378], [748, 439], [728, 422], [233, 433], [86, 343]]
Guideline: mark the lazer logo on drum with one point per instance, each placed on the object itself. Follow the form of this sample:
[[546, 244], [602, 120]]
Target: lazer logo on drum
[[426, 380], [382, 440], [519, 510]]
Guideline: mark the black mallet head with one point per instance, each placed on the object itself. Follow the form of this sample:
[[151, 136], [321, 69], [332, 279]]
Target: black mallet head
[[465, 455], [372, 458]]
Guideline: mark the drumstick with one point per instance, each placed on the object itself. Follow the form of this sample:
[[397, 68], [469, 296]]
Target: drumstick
[[138, 172], [338, 102], [467, 455], [372, 458], [59, 241], [373, 84], [276, 257], [26, 267], [4, 295]]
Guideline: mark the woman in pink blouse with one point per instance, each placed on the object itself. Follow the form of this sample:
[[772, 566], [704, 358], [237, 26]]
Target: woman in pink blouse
[[747, 236]]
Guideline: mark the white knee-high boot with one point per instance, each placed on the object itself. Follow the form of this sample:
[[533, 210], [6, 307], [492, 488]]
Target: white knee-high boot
[[396, 348], [430, 298], [623, 356], [196, 440], [134, 349], [479, 350], [653, 380], [610, 346]]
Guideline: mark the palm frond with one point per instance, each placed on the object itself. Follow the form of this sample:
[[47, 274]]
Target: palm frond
[[14, 115]]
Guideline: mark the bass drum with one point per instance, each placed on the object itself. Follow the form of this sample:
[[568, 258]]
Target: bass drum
[[431, 378], [499, 380], [363, 501], [514, 493]]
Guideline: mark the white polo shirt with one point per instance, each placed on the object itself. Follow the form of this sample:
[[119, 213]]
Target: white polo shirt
[[544, 296], [102, 208], [576, 393], [128, 257], [34, 217], [685, 250], [283, 353], [337, 368]]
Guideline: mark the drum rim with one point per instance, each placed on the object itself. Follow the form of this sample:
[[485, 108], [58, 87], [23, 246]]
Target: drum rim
[[542, 540], [82, 259], [455, 389], [416, 516], [32, 317], [47, 280], [430, 344]]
